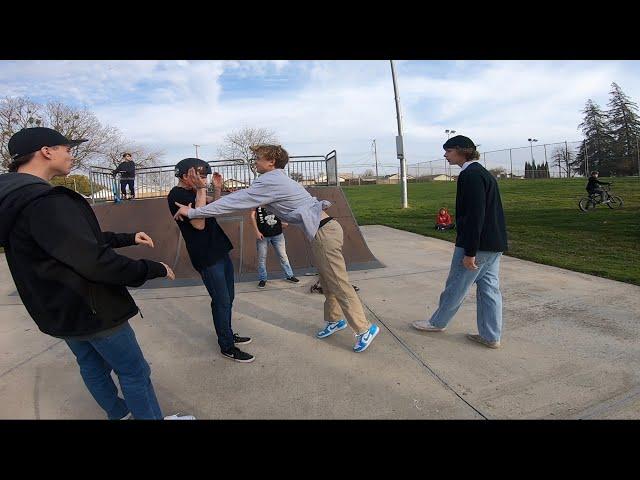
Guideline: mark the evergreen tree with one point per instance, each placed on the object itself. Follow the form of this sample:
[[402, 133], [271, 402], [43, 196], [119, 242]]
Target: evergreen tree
[[596, 150], [624, 125]]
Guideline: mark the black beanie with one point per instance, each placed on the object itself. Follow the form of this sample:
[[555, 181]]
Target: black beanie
[[459, 141]]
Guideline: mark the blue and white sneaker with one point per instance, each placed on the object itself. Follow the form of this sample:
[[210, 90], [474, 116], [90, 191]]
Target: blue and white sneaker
[[365, 339], [331, 328]]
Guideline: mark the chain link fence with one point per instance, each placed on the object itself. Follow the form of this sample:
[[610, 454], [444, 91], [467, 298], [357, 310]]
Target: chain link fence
[[513, 163]]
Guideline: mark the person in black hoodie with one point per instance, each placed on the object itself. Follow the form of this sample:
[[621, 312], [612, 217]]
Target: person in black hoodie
[[71, 281], [593, 186], [127, 171], [480, 241]]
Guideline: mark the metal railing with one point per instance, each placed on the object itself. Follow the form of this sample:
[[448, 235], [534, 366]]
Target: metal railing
[[153, 182]]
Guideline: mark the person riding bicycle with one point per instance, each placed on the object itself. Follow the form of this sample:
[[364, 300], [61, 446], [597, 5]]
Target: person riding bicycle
[[593, 186]]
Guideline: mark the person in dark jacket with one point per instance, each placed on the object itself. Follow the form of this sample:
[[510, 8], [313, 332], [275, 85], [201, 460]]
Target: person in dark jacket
[[127, 171], [71, 281], [593, 186], [481, 239]]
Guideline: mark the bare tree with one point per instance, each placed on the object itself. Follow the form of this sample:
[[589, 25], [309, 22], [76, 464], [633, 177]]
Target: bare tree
[[497, 172], [236, 145], [105, 143], [15, 114], [79, 123], [118, 144], [368, 173], [562, 158]]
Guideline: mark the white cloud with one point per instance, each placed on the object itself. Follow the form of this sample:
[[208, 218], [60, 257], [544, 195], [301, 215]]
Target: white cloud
[[322, 105]]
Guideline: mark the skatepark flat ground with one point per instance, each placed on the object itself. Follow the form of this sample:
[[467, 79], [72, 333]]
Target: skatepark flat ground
[[569, 349]]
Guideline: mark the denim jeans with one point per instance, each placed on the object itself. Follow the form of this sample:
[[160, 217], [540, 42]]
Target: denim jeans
[[280, 247], [489, 298], [601, 192], [121, 353], [123, 187], [218, 278]]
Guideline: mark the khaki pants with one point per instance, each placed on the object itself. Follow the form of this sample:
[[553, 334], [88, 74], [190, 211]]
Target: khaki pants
[[341, 300]]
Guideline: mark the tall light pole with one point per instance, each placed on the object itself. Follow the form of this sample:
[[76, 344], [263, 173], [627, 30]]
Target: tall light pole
[[638, 152], [511, 164], [531, 140], [375, 154], [399, 141], [196, 149], [449, 132]]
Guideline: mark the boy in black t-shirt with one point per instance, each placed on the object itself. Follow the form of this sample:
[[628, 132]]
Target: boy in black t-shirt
[[268, 230], [208, 248]]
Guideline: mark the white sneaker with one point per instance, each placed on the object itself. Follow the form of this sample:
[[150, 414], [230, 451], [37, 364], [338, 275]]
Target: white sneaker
[[425, 326], [177, 416], [486, 343]]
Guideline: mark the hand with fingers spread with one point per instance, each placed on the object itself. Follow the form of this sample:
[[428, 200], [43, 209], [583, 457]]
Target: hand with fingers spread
[[183, 212], [170, 274], [195, 179], [217, 180], [144, 239]]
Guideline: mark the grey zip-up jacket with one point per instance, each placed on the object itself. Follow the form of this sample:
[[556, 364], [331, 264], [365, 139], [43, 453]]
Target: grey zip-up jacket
[[279, 194]]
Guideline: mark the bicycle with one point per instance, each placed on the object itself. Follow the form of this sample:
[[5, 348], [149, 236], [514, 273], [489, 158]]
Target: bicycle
[[590, 202]]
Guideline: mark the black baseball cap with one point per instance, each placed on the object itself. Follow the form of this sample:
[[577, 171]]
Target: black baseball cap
[[29, 140], [459, 141], [183, 166]]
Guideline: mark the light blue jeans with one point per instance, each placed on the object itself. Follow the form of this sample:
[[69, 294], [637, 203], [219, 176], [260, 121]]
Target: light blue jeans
[[279, 246], [489, 298]]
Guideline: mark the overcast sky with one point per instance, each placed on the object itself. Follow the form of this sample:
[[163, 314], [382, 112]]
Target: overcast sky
[[318, 106]]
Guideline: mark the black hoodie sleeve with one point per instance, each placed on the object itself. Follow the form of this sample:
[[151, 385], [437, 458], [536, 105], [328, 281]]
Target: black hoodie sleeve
[[61, 228], [119, 240], [474, 201]]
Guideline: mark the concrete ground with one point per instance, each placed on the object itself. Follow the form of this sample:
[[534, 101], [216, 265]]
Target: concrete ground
[[570, 349]]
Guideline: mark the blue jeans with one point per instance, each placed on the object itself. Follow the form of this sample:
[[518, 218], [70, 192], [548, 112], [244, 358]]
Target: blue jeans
[[121, 353], [280, 247], [218, 278], [489, 298]]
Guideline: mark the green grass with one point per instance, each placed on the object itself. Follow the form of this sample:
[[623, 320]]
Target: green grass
[[544, 223]]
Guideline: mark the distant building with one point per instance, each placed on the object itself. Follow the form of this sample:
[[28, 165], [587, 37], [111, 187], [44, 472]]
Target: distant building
[[438, 178], [232, 183], [322, 178], [395, 178]]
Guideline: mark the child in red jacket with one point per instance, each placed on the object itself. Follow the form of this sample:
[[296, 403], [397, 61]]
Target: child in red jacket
[[443, 220]]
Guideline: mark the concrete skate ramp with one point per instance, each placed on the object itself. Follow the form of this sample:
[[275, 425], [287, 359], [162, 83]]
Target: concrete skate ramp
[[153, 217]]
